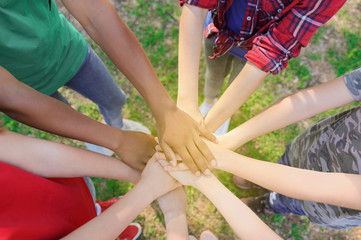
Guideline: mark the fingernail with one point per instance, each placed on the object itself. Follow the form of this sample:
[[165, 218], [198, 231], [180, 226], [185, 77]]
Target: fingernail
[[207, 172], [198, 173], [156, 155], [213, 163]]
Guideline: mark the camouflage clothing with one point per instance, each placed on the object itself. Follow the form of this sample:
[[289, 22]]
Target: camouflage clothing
[[332, 145]]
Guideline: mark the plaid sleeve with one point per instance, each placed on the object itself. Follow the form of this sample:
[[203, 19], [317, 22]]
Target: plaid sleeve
[[284, 39], [207, 4]]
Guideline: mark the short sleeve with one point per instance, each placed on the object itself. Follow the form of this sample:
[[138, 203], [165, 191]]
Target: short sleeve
[[353, 83]]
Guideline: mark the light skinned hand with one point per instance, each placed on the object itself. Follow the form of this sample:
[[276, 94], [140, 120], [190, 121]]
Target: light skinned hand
[[183, 175], [157, 180], [181, 134], [161, 156], [136, 149]]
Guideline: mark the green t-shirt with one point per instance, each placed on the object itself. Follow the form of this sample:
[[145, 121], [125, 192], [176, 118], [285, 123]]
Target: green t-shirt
[[38, 45]]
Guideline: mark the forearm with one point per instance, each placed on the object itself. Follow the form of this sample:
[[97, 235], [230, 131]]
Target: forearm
[[247, 81], [339, 189], [243, 221], [191, 28], [176, 226], [104, 25], [49, 159], [174, 205], [116, 218], [296, 107], [28, 106], [154, 183]]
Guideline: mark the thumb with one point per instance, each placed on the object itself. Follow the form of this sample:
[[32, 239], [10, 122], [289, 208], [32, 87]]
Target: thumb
[[207, 134]]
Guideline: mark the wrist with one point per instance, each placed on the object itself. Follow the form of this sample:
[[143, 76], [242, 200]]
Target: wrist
[[163, 104], [204, 182], [148, 193], [174, 215], [117, 140], [186, 104]]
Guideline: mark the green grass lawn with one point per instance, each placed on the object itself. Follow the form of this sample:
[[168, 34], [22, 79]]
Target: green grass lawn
[[155, 25]]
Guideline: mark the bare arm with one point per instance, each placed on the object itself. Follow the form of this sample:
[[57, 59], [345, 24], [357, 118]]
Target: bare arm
[[104, 25], [339, 189], [243, 220], [296, 107], [174, 206], [35, 109], [247, 81], [49, 159], [190, 43], [154, 183]]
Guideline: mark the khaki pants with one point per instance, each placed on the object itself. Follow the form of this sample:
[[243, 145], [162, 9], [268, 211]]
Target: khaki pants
[[217, 70]]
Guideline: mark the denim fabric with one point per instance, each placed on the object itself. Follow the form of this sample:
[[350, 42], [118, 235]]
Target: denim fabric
[[94, 82], [282, 204]]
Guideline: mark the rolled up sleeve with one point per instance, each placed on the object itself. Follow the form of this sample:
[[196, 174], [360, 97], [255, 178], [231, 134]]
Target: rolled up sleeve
[[285, 38]]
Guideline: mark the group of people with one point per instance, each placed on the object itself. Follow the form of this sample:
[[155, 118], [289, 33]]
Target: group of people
[[46, 190]]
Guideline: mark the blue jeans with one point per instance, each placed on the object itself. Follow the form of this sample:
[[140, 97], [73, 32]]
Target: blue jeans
[[282, 204], [94, 82]]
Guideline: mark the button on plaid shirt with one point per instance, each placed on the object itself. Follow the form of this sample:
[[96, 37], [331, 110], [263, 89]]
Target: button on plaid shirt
[[273, 30]]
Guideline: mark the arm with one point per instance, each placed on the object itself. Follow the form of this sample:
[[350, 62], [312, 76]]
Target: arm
[[191, 28], [28, 106], [154, 183], [272, 50], [104, 25], [49, 159], [173, 205], [247, 81], [296, 107], [243, 220], [339, 189]]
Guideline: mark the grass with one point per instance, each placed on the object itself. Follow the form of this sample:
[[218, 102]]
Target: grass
[[155, 23]]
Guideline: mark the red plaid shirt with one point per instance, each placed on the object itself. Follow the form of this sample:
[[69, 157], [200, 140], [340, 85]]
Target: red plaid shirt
[[273, 30]]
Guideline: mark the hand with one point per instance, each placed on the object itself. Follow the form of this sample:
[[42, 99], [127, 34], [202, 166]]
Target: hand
[[136, 149], [156, 179], [182, 174], [179, 133], [225, 140]]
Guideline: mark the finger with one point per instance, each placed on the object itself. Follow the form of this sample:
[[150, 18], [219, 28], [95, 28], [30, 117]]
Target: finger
[[179, 167], [167, 167], [158, 148], [204, 149], [187, 159], [207, 134], [198, 158], [169, 154], [160, 156]]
